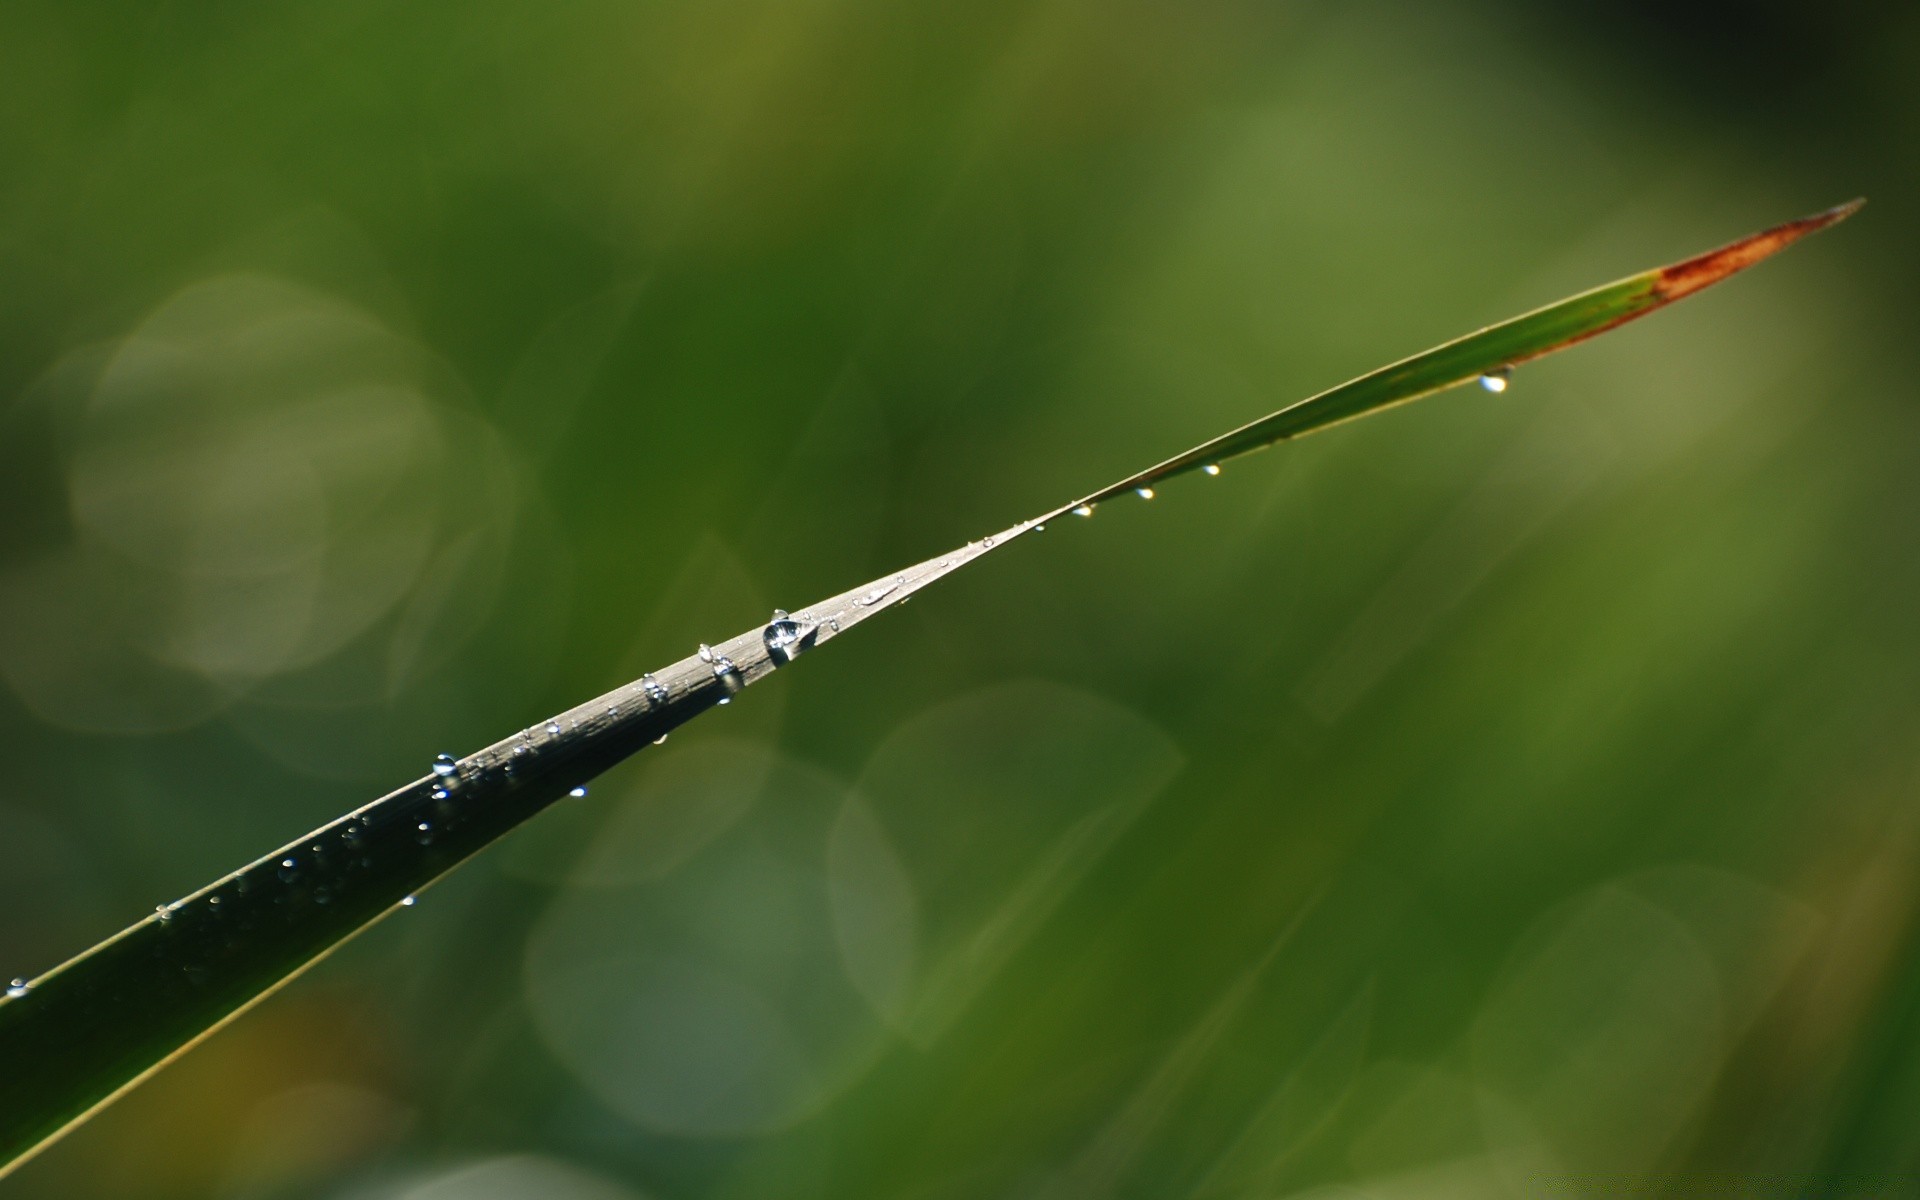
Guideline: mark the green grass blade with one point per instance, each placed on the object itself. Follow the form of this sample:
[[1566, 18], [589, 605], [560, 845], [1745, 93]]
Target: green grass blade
[[1495, 348], [73, 1039]]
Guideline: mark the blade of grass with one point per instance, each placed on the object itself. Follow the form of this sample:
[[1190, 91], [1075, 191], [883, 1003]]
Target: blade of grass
[[1493, 349], [80, 1035]]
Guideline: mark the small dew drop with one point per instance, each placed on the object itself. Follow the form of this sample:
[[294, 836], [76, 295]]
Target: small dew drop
[[440, 793], [1496, 381], [553, 728], [613, 710], [986, 543], [408, 901], [1083, 510], [725, 700], [722, 666], [213, 901], [706, 653], [425, 833], [17, 988], [1040, 527], [578, 792], [165, 911], [1145, 493], [445, 765], [1211, 468], [656, 691], [288, 870]]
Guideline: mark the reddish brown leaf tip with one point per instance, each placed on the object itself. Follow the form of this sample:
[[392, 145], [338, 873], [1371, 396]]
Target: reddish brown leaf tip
[[1685, 278]]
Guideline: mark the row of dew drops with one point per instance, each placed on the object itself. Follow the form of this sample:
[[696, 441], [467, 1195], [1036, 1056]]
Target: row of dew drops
[[784, 638], [1495, 381], [782, 635]]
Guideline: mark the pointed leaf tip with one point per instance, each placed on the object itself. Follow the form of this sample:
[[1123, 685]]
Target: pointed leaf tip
[[1685, 278]]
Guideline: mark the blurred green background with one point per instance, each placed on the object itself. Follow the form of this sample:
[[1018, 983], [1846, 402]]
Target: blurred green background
[[1513, 795]]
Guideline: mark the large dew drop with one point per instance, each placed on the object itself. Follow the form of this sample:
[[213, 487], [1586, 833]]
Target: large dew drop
[[784, 637]]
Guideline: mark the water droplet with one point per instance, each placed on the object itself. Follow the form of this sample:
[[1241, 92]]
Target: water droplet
[[833, 623], [445, 765], [1040, 527], [613, 710], [1145, 493], [1496, 381], [288, 870], [986, 543], [1083, 510], [722, 666], [578, 792], [706, 653], [656, 691], [661, 740], [779, 614], [213, 901], [165, 911], [440, 793], [408, 901], [876, 595], [1211, 468], [784, 639], [724, 700], [17, 988], [553, 728], [425, 833]]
